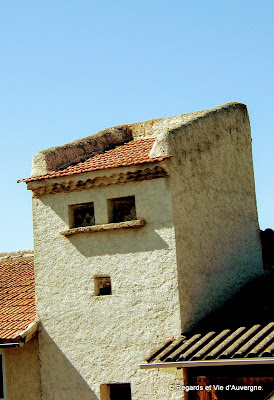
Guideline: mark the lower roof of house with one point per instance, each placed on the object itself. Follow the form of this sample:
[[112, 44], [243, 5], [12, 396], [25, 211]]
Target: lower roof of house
[[240, 332], [17, 297]]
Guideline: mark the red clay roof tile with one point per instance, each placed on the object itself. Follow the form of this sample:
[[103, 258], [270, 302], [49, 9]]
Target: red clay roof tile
[[17, 296], [131, 153]]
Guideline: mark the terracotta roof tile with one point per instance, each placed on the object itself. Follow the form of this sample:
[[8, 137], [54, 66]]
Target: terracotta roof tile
[[17, 296], [131, 153], [242, 328], [243, 342]]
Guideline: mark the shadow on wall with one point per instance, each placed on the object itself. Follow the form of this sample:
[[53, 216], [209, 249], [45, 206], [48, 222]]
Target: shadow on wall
[[59, 378], [151, 237], [218, 268], [118, 242], [252, 304]]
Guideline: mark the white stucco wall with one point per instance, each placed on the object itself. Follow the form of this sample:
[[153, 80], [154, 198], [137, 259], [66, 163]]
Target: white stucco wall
[[214, 201], [22, 372], [89, 340]]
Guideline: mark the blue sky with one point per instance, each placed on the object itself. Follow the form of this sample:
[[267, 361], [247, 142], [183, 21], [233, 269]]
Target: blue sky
[[71, 68]]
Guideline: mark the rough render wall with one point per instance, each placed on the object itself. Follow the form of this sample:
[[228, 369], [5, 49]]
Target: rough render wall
[[22, 371], [216, 224], [89, 340]]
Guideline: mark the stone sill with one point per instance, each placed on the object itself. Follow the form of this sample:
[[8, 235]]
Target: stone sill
[[136, 223]]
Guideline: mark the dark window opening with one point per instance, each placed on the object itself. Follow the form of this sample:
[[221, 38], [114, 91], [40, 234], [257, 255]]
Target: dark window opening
[[1, 378], [267, 240], [102, 285], [82, 215], [122, 209], [120, 391], [115, 391]]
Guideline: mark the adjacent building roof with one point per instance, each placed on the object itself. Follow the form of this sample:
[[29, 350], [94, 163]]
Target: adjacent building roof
[[17, 297], [241, 342], [131, 153], [242, 329]]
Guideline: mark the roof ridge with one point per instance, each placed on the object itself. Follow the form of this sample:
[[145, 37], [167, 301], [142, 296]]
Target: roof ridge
[[134, 152], [15, 255]]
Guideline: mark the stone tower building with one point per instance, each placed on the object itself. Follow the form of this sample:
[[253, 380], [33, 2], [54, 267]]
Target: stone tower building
[[139, 232]]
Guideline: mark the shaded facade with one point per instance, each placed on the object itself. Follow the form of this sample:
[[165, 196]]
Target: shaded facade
[[229, 349]]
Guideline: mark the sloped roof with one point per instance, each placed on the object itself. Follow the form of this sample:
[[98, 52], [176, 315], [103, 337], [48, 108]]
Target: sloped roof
[[242, 329], [131, 153], [242, 342], [17, 296], [133, 144]]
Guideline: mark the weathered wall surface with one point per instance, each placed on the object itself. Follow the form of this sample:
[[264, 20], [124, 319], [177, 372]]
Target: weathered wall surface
[[200, 244], [216, 224], [89, 340], [22, 371]]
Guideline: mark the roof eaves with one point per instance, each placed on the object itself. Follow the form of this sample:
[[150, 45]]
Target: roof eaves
[[21, 338], [210, 363], [60, 175]]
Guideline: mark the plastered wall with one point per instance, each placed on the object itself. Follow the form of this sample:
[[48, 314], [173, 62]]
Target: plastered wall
[[89, 340], [22, 372], [199, 245], [216, 224]]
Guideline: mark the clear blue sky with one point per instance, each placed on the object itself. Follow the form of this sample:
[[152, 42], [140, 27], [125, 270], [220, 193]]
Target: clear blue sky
[[71, 68]]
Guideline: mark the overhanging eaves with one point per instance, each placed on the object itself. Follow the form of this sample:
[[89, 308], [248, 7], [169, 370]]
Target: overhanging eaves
[[209, 363]]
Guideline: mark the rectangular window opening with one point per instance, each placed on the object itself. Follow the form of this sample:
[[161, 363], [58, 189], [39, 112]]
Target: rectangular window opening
[[122, 209], [81, 215], [102, 285], [1, 378], [115, 391]]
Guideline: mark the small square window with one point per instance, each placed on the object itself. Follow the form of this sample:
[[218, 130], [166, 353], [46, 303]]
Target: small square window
[[81, 215], [115, 391], [122, 209], [102, 285]]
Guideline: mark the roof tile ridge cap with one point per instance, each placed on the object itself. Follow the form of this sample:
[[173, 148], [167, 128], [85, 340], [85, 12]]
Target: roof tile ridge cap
[[77, 161], [88, 157], [80, 160], [127, 144], [54, 158], [16, 255]]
